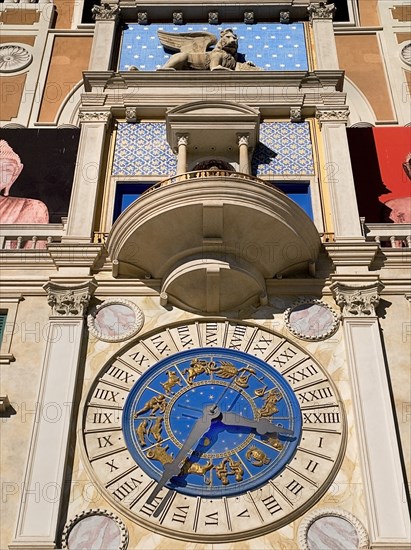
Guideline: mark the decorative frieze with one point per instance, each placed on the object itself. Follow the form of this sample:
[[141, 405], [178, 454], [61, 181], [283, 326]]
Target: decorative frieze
[[285, 17], [321, 10], [13, 58], [332, 115], [105, 12], [357, 301], [94, 116], [295, 114], [178, 18], [69, 301]]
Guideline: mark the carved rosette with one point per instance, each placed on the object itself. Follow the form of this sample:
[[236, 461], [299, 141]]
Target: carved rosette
[[321, 10], [105, 12], [357, 301], [406, 54], [362, 540], [69, 301], [14, 58], [94, 116], [88, 522], [332, 115]]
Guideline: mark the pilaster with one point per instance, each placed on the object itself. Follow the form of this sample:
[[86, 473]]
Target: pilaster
[[44, 477], [106, 17], [383, 481], [321, 18]]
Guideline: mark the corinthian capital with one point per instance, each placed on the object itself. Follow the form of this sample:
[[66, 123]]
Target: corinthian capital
[[321, 10], [332, 115], [105, 12], [242, 139], [70, 301], [357, 301]]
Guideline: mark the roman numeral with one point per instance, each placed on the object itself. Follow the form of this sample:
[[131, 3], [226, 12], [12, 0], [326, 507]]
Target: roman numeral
[[126, 488], [104, 442], [148, 509], [301, 374], [321, 418], [284, 357], [295, 487], [102, 418], [271, 504], [319, 393], [244, 514], [120, 374], [311, 466], [112, 466], [159, 344], [139, 358], [211, 334], [212, 519], [180, 515], [262, 344], [107, 395], [185, 337], [320, 443], [237, 338]]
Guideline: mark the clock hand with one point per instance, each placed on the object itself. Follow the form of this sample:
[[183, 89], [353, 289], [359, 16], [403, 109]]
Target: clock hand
[[262, 426], [171, 469]]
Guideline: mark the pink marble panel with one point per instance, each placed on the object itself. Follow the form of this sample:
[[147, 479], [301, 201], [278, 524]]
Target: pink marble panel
[[311, 320], [95, 533], [115, 320], [332, 533]]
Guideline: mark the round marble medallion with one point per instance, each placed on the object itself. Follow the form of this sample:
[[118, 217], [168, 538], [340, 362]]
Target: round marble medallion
[[333, 533], [95, 533], [115, 320], [13, 58], [406, 54], [311, 320]]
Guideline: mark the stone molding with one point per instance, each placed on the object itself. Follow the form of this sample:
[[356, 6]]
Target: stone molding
[[319, 336], [321, 10], [14, 58], [95, 116], [358, 300], [69, 301], [332, 115], [311, 517], [95, 512], [105, 12], [133, 329]]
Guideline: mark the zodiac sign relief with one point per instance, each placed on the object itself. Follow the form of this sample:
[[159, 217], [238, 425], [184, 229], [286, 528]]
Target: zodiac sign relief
[[172, 380], [156, 403], [141, 432], [256, 456], [228, 370], [236, 470], [160, 453], [198, 367], [199, 469], [155, 429], [269, 408]]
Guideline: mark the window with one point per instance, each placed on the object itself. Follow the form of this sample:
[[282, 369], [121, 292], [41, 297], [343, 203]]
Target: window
[[299, 193], [126, 193], [3, 317]]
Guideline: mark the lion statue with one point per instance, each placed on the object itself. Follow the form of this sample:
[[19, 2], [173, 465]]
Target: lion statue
[[192, 54]]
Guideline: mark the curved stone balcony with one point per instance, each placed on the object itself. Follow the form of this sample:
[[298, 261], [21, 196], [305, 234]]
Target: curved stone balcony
[[213, 238]]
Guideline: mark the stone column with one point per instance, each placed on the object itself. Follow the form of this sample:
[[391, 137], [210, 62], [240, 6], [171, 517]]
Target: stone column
[[321, 19], [384, 487], [338, 171], [42, 488], [106, 17], [244, 160], [80, 222], [182, 144]]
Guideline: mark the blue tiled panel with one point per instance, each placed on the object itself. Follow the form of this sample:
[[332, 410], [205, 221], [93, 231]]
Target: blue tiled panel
[[272, 46], [143, 149], [285, 149]]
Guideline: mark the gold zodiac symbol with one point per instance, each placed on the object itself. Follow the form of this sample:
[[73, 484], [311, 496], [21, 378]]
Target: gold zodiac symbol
[[156, 403], [228, 370], [141, 432], [274, 442], [196, 468], [171, 381], [256, 456], [270, 400], [222, 471], [198, 367], [160, 453], [155, 429]]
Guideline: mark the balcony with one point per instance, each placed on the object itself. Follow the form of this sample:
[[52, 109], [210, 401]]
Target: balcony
[[213, 238]]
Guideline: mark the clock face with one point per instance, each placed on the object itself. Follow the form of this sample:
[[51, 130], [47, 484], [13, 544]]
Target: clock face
[[269, 451]]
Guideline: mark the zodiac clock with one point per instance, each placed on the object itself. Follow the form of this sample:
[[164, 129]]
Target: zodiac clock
[[213, 442]]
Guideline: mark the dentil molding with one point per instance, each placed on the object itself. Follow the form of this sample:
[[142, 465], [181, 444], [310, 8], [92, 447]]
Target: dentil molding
[[359, 300], [70, 301]]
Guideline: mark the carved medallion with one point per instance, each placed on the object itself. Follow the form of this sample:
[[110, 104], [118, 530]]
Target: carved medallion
[[115, 320], [14, 58], [311, 319]]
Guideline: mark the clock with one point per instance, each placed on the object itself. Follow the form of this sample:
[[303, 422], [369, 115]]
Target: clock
[[213, 431]]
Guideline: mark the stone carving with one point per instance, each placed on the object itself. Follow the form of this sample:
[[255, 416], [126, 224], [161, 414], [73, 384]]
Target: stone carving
[[213, 17], [242, 139], [178, 18], [69, 301], [295, 114], [14, 58], [285, 17], [193, 55], [105, 12], [335, 528], [357, 301], [115, 320], [142, 18], [311, 319], [248, 17], [321, 11], [95, 528], [332, 115], [94, 116], [131, 113], [406, 54]]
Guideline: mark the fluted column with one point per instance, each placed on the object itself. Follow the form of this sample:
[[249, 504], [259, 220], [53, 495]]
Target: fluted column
[[107, 18], [244, 159], [384, 487], [321, 18], [38, 519], [182, 145]]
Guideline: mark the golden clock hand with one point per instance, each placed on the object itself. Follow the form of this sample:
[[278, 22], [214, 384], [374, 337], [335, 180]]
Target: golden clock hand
[[262, 426], [171, 469]]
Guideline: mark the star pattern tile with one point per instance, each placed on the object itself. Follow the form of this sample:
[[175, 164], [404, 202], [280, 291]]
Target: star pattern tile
[[271, 46]]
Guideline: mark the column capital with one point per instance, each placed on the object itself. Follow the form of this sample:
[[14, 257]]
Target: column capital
[[105, 12], [182, 139], [94, 116], [358, 300], [70, 301], [243, 139], [321, 10], [332, 115]]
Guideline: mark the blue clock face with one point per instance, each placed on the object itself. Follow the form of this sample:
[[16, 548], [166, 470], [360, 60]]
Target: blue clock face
[[253, 435]]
